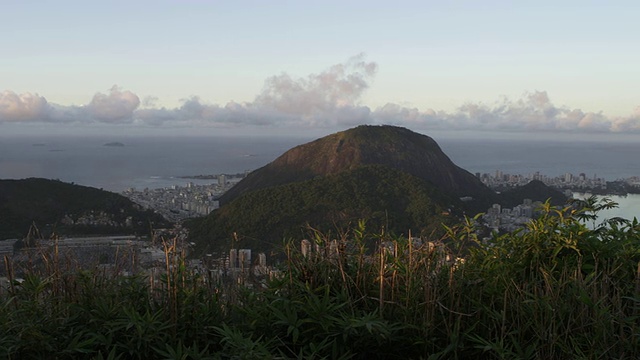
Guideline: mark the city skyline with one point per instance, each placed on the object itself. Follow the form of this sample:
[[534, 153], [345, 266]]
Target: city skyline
[[197, 67]]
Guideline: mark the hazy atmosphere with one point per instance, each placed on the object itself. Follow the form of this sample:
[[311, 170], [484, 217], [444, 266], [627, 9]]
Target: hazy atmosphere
[[212, 67], [204, 179]]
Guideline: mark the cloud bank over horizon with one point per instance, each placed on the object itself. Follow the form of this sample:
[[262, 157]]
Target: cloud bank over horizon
[[331, 98]]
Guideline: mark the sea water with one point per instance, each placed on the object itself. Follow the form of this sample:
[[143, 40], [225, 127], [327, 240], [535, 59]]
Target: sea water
[[143, 162], [155, 162], [628, 207]]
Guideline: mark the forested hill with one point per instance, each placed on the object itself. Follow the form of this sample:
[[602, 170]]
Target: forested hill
[[68, 209], [396, 179], [387, 198], [534, 190], [389, 146]]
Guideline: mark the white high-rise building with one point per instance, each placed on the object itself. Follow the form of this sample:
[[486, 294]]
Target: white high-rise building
[[262, 259], [233, 258], [244, 258]]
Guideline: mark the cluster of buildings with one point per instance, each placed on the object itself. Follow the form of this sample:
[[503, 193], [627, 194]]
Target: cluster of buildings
[[120, 253], [498, 218], [96, 218], [238, 265], [500, 180], [181, 202], [116, 255]]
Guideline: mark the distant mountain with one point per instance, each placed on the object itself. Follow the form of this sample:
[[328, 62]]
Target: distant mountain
[[535, 190], [68, 209], [114, 144], [391, 146]]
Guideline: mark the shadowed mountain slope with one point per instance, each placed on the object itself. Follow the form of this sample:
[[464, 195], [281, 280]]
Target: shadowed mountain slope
[[68, 209], [535, 190], [394, 147], [387, 198], [396, 179]]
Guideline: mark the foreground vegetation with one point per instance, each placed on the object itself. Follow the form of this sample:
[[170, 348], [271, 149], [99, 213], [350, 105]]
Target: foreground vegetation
[[556, 290]]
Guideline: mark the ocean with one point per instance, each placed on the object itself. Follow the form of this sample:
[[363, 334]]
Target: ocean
[[156, 162], [143, 162], [610, 160]]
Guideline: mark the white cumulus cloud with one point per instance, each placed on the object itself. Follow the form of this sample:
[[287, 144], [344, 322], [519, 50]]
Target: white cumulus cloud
[[115, 107], [23, 107], [627, 123], [533, 112], [318, 97], [326, 99]]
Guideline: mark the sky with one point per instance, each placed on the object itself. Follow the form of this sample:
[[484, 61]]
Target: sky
[[272, 67]]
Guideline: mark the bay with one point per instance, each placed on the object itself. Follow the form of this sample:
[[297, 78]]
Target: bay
[[160, 161], [610, 160], [628, 207], [143, 162]]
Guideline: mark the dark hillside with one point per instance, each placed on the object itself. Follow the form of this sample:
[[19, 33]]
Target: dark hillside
[[535, 190], [395, 178], [68, 209], [390, 146], [386, 197]]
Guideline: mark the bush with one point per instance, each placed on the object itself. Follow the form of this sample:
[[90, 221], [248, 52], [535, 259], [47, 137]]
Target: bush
[[554, 290]]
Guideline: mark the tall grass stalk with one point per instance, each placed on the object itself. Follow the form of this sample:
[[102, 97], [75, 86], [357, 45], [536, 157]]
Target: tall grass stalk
[[554, 290]]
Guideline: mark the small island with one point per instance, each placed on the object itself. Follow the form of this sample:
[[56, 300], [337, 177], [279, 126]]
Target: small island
[[114, 144]]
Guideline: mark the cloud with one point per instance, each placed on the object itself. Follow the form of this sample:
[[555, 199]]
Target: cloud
[[327, 99], [533, 112], [318, 97], [23, 107], [150, 101], [628, 123], [116, 107]]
